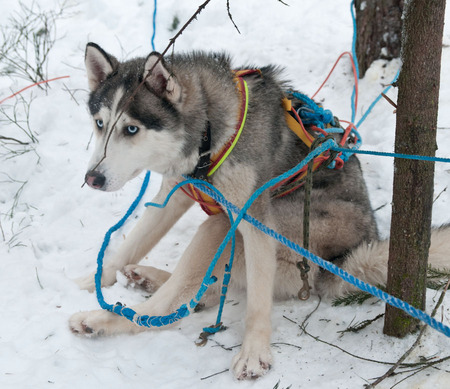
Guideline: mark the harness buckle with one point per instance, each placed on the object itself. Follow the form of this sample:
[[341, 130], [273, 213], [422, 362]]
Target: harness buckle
[[304, 292]]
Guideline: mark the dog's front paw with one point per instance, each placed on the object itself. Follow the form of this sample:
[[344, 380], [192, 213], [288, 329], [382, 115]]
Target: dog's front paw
[[93, 323], [100, 322], [253, 361]]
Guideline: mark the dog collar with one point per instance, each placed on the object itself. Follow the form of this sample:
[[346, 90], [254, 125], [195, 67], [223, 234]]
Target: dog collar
[[204, 155], [207, 165]]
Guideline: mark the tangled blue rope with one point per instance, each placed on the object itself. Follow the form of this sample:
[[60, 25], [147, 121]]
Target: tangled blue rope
[[312, 113], [315, 114], [185, 309], [208, 279]]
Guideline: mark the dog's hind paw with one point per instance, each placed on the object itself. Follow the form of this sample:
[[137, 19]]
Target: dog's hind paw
[[82, 323], [99, 323], [147, 277], [252, 362]]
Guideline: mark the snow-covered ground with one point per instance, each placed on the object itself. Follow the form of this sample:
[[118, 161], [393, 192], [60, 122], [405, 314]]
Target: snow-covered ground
[[51, 228]]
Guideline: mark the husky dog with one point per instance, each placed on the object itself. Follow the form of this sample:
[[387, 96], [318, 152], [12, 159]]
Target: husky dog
[[160, 128]]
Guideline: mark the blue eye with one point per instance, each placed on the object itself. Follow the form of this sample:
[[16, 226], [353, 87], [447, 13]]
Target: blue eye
[[99, 123], [131, 130]]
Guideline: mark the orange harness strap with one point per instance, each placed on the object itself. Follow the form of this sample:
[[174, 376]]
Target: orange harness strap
[[210, 206]]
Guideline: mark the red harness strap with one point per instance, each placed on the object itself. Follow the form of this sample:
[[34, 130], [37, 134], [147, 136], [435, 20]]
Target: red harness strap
[[210, 206]]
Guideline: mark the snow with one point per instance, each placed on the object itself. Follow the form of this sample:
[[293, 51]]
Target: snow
[[56, 228]]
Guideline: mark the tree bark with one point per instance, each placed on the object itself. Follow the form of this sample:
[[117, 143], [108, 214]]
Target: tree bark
[[379, 26], [418, 87]]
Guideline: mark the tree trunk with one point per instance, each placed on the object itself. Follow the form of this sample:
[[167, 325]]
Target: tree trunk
[[379, 26], [418, 87]]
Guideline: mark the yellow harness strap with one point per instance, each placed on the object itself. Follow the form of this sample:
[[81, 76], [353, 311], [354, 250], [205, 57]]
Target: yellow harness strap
[[209, 205], [243, 89], [293, 124]]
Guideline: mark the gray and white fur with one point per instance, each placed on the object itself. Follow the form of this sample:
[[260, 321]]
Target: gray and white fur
[[160, 130]]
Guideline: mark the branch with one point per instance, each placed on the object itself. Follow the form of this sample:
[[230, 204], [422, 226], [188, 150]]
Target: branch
[[303, 328], [231, 17], [13, 140], [415, 344]]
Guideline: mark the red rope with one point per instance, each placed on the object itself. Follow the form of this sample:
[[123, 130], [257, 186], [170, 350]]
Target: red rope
[[30, 86], [355, 75], [307, 134]]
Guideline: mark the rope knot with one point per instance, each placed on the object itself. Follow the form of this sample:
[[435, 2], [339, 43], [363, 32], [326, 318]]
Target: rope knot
[[312, 113]]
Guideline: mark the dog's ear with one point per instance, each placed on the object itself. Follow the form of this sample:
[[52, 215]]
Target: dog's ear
[[99, 65], [160, 80]]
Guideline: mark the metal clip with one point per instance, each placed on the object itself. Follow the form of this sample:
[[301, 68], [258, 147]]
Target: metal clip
[[202, 339], [304, 293]]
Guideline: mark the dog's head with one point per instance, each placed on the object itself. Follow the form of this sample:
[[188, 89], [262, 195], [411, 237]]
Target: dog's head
[[135, 107]]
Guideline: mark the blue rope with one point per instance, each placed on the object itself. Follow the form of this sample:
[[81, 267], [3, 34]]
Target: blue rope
[[183, 311], [208, 279], [376, 292], [355, 59], [227, 275], [396, 155], [101, 254], [371, 106], [316, 115], [312, 113], [154, 25]]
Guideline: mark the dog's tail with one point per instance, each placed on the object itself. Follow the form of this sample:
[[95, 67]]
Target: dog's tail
[[369, 261]]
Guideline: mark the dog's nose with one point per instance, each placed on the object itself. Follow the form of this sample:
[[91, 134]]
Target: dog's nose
[[95, 179]]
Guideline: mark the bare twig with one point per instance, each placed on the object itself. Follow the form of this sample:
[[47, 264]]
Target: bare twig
[[13, 140], [303, 328], [285, 344], [213, 375], [27, 41], [303, 325], [409, 376], [231, 17], [389, 101], [442, 191], [71, 93], [418, 364], [415, 344], [359, 326], [380, 207], [38, 280], [3, 232]]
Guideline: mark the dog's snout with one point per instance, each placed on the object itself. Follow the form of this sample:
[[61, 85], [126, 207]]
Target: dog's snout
[[95, 179]]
